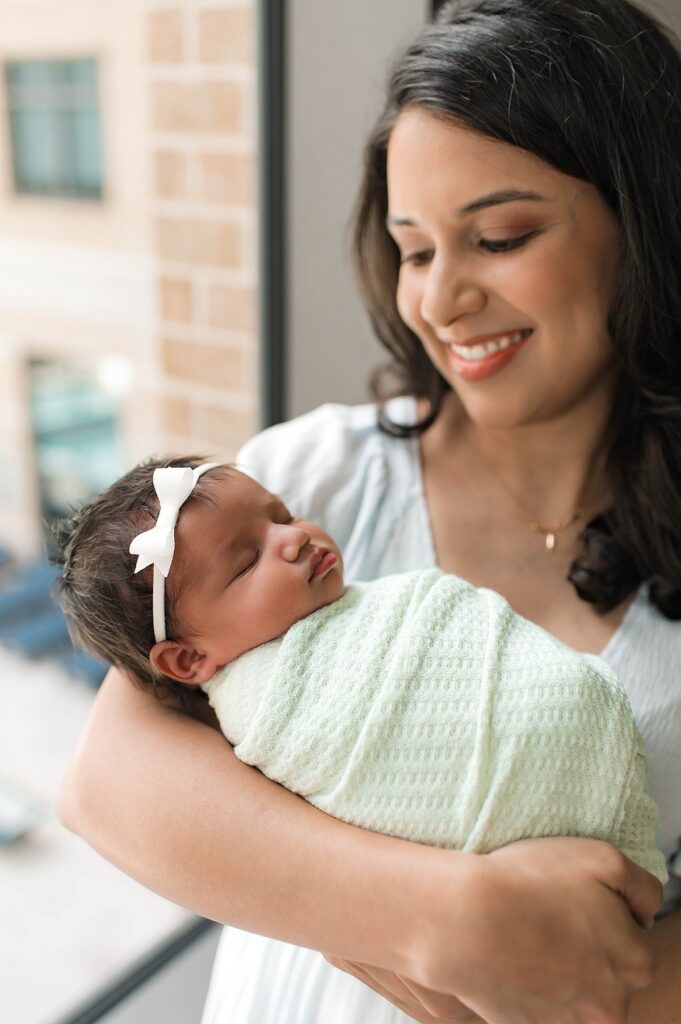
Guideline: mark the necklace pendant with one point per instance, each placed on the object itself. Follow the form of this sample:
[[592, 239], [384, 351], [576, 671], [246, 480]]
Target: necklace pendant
[[550, 541]]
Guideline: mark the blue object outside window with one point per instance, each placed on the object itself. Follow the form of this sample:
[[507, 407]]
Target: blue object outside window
[[55, 127], [78, 448]]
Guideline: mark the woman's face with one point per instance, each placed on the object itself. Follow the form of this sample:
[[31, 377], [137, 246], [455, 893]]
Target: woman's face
[[507, 272]]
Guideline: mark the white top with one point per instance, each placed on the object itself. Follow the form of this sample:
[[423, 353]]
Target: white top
[[335, 467]]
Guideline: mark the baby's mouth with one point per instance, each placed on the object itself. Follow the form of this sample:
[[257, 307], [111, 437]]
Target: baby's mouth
[[315, 561], [322, 561]]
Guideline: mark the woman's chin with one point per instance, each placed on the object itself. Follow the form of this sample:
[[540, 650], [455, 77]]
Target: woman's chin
[[501, 413], [491, 404]]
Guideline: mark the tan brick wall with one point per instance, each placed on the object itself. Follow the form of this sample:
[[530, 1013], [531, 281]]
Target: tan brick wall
[[202, 91]]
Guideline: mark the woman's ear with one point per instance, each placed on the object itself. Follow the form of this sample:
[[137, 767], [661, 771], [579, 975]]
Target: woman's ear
[[182, 662]]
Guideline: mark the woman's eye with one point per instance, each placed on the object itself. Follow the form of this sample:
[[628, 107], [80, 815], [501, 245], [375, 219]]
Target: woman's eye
[[505, 244], [417, 259]]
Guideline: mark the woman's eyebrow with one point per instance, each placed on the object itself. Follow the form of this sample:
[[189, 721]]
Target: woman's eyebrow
[[497, 198], [492, 199]]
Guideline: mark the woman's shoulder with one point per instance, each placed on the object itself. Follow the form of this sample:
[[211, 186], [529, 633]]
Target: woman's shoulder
[[646, 654], [645, 630], [327, 427], [326, 447]]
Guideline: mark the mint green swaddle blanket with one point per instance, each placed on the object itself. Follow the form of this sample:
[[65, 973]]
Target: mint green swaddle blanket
[[423, 707]]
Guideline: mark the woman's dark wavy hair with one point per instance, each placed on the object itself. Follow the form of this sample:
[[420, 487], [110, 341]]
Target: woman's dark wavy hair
[[592, 87]]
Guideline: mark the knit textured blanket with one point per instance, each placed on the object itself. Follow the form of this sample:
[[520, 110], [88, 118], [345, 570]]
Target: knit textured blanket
[[423, 707]]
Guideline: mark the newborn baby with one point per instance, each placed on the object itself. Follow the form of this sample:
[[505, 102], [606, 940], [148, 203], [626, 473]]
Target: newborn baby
[[416, 705]]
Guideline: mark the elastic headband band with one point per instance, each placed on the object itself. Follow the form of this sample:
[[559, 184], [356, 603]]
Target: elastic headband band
[[157, 546]]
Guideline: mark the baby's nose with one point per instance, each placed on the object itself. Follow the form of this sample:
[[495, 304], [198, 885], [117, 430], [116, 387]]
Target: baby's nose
[[295, 540]]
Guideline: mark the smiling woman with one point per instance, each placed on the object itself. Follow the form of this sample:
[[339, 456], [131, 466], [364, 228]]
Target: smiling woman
[[534, 338], [524, 266], [498, 276]]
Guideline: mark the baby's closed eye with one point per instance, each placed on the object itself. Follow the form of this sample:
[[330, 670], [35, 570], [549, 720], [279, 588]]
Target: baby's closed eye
[[249, 562]]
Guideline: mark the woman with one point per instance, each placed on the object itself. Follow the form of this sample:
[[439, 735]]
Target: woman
[[518, 234]]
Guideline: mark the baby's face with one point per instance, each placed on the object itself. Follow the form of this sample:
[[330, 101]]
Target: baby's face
[[246, 570]]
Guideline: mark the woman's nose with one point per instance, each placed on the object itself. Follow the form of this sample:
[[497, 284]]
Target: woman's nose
[[449, 293], [292, 541]]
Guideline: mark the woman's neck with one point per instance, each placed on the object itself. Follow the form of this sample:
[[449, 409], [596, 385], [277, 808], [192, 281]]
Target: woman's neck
[[553, 468]]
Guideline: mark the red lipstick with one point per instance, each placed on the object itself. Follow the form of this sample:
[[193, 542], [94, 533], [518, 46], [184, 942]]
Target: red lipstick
[[489, 365]]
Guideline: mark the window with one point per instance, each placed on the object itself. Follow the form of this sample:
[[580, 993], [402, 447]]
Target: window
[[76, 435], [54, 127]]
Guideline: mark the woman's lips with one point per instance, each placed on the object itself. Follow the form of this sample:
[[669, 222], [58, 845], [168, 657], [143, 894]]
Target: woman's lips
[[473, 366], [322, 562]]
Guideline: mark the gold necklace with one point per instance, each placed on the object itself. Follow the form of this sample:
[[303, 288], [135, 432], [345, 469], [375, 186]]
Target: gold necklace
[[549, 530]]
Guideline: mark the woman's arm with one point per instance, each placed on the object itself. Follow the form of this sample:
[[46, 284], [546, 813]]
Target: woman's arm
[[164, 797]]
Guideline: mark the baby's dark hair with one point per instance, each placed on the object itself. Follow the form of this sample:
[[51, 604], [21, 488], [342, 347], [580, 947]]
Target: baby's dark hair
[[108, 606]]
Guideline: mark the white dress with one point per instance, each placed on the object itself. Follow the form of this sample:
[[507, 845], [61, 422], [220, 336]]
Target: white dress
[[334, 467]]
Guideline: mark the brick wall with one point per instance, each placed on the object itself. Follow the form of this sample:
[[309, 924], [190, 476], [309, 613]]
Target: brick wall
[[202, 81]]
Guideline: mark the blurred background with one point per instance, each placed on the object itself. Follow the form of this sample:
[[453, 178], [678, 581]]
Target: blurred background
[[176, 181], [128, 312]]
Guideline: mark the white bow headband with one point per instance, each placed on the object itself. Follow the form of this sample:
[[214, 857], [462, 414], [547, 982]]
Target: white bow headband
[[157, 546]]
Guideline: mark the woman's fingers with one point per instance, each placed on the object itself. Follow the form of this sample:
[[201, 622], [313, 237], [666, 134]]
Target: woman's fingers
[[406, 995], [442, 1007], [641, 891], [391, 993], [376, 977]]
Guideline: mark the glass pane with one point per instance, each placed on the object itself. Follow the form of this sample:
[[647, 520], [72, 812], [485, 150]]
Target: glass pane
[[55, 127], [87, 169], [84, 72], [77, 439], [36, 155], [30, 72]]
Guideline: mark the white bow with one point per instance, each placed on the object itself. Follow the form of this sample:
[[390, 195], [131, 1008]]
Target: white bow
[[156, 547]]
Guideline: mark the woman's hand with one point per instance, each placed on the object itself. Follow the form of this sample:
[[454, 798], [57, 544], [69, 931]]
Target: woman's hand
[[552, 933]]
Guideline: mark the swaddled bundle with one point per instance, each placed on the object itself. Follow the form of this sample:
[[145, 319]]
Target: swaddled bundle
[[423, 707]]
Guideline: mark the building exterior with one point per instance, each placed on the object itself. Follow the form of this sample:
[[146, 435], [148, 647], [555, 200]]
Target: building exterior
[[127, 243], [127, 326]]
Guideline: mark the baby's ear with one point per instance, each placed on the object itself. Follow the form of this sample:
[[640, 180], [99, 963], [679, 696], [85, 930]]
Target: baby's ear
[[182, 662]]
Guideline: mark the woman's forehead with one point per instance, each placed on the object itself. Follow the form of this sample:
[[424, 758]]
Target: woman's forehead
[[425, 151]]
